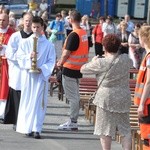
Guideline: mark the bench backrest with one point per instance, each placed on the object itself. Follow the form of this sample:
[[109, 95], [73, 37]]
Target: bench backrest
[[87, 85]]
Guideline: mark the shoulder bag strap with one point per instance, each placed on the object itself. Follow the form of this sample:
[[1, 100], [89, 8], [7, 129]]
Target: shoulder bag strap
[[93, 95]]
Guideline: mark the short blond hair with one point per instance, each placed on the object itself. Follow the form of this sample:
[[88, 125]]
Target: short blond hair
[[144, 33], [123, 23]]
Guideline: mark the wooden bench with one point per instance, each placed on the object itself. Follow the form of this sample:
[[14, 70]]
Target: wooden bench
[[90, 109], [133, 73], [136, 139], [54, 84], [87, 86], [90, 114], [132, 84]]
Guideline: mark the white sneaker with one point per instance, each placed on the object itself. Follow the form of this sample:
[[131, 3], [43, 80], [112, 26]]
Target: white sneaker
[[68, 126]]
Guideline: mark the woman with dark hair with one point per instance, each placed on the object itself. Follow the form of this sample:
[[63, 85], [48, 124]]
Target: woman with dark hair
[[109, 26], [56, 29], [135, 50], [33, 101], [113, 99], [97, 37]]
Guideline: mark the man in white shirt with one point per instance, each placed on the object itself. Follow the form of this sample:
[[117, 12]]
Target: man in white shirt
[[68, 26], [130, 24], [43, 7]]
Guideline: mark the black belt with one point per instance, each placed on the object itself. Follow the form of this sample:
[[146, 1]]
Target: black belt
[[146, 142]]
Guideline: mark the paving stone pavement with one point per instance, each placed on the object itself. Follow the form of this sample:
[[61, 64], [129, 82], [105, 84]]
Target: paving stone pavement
[[53, 139]]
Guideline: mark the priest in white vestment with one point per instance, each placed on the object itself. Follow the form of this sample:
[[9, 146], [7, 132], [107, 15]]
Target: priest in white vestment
[[34, 93]]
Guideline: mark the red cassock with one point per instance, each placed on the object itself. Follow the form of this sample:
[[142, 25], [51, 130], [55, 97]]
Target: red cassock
[[4, 67]]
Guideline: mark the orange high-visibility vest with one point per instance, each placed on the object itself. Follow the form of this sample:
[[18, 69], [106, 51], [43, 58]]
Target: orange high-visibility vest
[[145, 131], [79, 57], [141, 79], [146, 147]]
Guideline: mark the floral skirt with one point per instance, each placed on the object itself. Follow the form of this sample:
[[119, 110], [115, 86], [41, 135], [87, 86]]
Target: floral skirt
[[109, 123]]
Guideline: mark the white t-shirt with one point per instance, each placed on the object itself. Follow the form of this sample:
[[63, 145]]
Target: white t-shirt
[[148, 63], [43, 6], [109, 28]]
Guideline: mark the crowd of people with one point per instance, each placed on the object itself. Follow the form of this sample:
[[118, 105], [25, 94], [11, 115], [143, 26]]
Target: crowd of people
[[127, 31], [32, 46]]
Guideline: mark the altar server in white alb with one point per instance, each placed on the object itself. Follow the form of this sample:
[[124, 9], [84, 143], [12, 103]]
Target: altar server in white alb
[[34, 93], [12, 105]]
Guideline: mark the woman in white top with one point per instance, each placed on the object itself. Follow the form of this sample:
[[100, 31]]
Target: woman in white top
[[85, 24], [109, 26], [135, 51], [43, 7]]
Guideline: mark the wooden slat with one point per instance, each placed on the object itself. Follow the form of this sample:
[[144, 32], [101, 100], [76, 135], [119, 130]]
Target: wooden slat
[[87, 86], [133, 70]]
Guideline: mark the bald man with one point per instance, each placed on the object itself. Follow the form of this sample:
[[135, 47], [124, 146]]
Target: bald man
[[5, 34], [130, 24]]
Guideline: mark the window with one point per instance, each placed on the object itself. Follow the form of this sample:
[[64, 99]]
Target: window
[[3, 2], [12, 2]]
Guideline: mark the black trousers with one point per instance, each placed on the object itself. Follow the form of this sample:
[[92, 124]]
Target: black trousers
[[12, 107], [98, 49]]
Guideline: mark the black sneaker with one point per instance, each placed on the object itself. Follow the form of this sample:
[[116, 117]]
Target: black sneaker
[[30, 134], [14, 127], [37, 135], [2, 121]]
